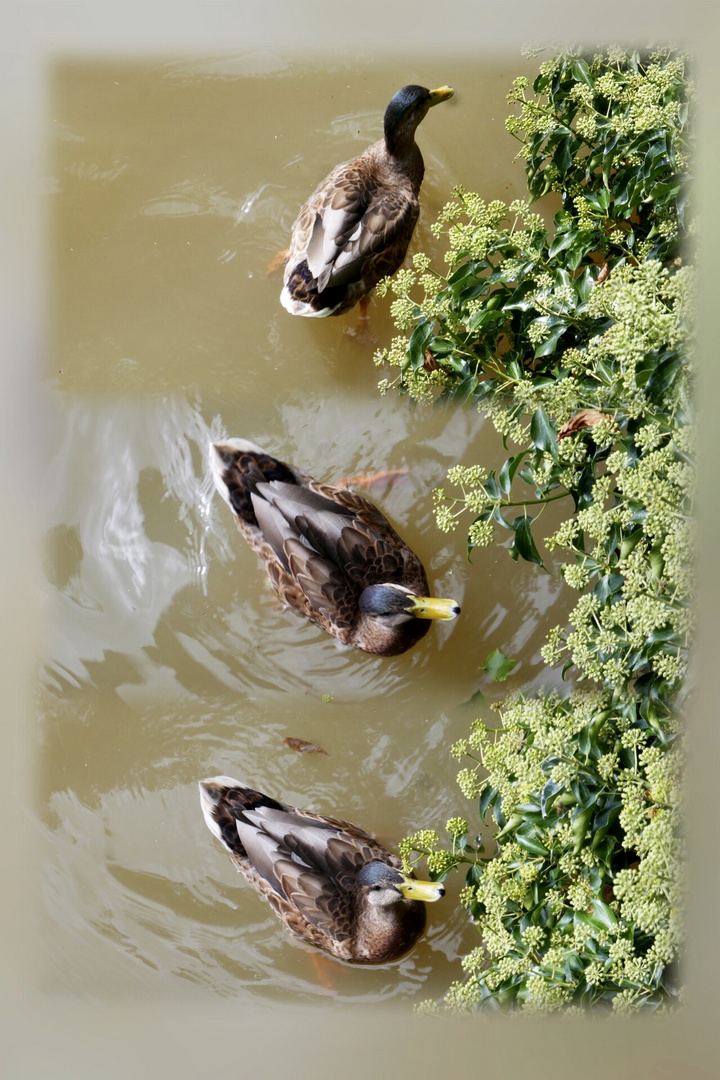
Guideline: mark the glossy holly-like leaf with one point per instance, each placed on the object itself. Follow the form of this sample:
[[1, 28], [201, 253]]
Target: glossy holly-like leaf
[[507, 473], [523, 543], [420, 339], [543, 433]]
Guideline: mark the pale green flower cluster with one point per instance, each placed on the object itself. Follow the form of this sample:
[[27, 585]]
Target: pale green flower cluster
[[424, 842], [645, 895], [650, 309], [439, 862], [481, 533], [648, 97], [469, 783], [456, 826], [579, 358]]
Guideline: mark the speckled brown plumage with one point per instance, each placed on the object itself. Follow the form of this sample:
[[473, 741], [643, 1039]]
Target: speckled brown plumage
[[356, 226], [311, 869], [323, 546]]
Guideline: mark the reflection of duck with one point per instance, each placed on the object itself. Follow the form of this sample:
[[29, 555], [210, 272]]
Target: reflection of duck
[[331, 884], [356, 226], [330, 554]]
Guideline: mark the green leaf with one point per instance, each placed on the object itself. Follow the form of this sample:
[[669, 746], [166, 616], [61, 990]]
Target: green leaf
[[562, 240], [507, 473], [563, 154], [582, 73], [549, 791], [547, 347], [508, 826], [491, 487], [443, 347], [464, 390], [657, 562], [580, 825], [543, 433], [486, 318], [603, 917], [527, 836], [476, 699], [607, 586], [419, 340], [523, 542], [599, 200], [488, 795], [519, 298], [608, 813], [584, 741], [498, 666]]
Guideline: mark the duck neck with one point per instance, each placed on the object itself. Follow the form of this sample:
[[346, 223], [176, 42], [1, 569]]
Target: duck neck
[[404, 154], [377, 931]]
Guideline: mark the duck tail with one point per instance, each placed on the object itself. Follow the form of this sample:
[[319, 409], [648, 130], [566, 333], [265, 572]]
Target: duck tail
[[238, 466], [301, 295], [224, 802]]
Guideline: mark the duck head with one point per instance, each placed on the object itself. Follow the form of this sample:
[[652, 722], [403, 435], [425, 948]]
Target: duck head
[[382, 886], [405, 111], [392, 618]]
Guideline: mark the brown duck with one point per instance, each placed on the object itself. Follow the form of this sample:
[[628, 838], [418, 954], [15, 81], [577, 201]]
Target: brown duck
[[329, 553], [356, 226], [331, 884]]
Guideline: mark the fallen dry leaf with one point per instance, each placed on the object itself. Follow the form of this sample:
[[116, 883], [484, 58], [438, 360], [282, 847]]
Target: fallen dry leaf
[[366, 479], [604, 271], [303, 747], [431, 363], [583, 419]]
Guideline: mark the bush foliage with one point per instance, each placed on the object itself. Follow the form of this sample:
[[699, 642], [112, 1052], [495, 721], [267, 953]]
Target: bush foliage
[[575, 343]]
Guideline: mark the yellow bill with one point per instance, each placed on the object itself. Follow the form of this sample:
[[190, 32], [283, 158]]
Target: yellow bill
[[428, 891], [430, 607], [441, 94]]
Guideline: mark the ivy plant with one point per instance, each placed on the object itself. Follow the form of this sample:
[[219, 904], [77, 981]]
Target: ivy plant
[[575, 342]]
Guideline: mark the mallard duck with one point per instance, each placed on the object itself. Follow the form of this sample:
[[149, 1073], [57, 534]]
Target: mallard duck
[[331, 884], [329, 553], [356, 226]]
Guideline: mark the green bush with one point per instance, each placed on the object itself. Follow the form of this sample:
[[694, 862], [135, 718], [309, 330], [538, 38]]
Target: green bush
[[576, 345]]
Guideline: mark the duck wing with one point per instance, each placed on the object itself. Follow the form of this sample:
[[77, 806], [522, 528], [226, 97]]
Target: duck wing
[[311, 864], [328, 551], [356, 218]]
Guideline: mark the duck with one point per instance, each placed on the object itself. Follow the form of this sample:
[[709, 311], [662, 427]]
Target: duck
[[356, 226], [331, 884], [330, 554]]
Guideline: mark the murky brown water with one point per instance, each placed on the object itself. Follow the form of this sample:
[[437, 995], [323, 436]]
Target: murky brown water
[[171, 185]]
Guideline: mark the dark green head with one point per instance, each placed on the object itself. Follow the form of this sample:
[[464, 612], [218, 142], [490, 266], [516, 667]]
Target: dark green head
[[407, 109]]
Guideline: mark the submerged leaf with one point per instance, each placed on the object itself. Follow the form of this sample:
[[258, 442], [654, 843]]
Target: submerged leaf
[[304, 747], [498, 666], [478, 698]]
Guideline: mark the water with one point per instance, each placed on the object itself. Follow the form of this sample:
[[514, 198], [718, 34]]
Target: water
[[170, 187]]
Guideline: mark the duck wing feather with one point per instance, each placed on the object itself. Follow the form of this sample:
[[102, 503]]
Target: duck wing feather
[[356, 218], [325, 548], [311, 864]]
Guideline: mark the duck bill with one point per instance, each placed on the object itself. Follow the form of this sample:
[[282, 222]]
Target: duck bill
[[427, 891], [441, 94], [430, 607]]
